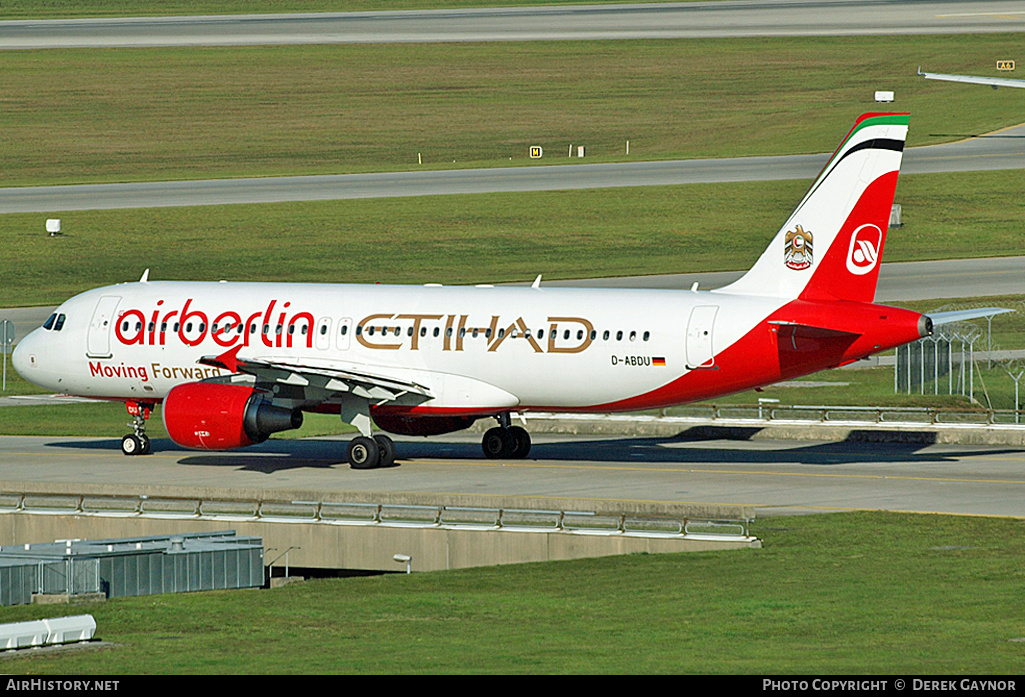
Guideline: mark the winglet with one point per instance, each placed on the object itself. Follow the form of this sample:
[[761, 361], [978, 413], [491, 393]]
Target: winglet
[[537, 282], [227, 360], [145, 277]]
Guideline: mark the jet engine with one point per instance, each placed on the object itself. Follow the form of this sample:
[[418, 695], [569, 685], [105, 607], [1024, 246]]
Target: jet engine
[[213, 416]]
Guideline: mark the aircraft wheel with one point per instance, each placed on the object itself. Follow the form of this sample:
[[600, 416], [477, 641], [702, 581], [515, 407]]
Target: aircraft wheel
[[386, 446], [363, 453], [145, 449], [131, 445], [496, 443], [520, 442]]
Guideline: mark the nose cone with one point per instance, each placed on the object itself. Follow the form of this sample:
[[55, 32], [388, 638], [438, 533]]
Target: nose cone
[[25, 357]]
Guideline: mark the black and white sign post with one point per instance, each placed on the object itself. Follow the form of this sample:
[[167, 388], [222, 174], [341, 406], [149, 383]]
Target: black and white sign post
[[6, 344]]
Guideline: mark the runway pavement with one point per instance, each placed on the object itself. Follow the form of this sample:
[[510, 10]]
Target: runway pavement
[[559, 23], [772, 477]]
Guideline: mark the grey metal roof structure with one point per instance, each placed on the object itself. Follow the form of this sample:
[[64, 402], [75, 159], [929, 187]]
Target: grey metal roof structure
[[131, 566]]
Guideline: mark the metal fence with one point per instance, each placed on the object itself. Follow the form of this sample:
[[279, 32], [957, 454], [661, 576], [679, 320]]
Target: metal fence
[[384, 514]]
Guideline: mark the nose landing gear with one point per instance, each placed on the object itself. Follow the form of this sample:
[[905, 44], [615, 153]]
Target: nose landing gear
[[137, 443]]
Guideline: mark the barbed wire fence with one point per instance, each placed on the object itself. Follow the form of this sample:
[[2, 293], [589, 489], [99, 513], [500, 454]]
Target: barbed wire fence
[[951, 353]]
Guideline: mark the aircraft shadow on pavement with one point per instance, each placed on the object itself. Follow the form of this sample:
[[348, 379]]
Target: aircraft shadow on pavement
[[699, 445]]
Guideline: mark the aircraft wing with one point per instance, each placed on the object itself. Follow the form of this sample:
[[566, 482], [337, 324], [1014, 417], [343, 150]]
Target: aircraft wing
[[939, 318], [312, 384], [993, 82]]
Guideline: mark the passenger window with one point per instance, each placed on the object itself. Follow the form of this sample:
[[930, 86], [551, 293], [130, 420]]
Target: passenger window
[[605, 335], [619, 335], [633, 336], [647, 335]]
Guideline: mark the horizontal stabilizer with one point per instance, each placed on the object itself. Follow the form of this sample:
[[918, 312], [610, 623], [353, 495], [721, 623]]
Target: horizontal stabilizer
[[939, 318]]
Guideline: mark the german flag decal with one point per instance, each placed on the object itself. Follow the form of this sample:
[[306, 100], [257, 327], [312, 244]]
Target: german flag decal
[[658, 360]]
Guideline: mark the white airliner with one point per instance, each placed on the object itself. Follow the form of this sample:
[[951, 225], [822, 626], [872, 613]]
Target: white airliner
[[232, 363]]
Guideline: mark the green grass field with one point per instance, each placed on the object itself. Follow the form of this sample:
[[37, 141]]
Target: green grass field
[[845, 594], [497, 237], [74, 116]]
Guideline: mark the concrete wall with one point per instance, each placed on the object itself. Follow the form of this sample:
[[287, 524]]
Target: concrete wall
[[362, 546]]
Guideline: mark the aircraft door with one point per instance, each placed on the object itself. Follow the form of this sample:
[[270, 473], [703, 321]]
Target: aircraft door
[[98, 339], [344, 333], [323, 337], [700, 353]]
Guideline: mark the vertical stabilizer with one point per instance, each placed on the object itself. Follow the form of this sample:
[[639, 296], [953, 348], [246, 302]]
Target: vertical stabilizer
[[831, 245]]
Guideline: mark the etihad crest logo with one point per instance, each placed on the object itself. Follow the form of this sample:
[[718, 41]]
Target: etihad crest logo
[[797, 249]]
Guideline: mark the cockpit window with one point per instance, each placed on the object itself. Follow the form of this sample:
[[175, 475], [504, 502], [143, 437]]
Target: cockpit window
[[48, 324], [59, 324]]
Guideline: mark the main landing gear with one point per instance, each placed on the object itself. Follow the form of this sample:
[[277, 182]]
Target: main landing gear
[[505, 441], [137, 443], [366, 452]]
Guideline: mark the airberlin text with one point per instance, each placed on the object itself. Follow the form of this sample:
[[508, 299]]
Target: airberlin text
[[192, 326]]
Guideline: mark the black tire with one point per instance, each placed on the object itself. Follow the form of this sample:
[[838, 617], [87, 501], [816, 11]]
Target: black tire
[[363, 453], [387, 449], [146, 445], [496, 443], [131, 445], [520, 442]]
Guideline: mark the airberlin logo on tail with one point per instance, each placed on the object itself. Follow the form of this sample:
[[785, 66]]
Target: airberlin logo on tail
[[863, 254]]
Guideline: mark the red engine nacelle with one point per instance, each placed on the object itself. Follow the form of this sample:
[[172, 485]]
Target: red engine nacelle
[[212, 416]]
